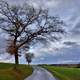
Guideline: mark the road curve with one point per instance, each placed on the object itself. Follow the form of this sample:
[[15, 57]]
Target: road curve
[[40, 74]]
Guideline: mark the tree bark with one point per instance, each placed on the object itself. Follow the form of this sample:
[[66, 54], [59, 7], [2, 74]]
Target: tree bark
[[16, 51], [16, 58]]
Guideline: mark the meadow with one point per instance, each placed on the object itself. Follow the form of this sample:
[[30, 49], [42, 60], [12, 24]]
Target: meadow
[[64, 73], [8, 72]]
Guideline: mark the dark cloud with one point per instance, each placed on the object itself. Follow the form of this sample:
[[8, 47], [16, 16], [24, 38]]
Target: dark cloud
[[17, 2], [69, 43]]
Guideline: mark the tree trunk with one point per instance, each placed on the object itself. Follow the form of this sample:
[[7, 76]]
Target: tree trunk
[[16, 52], [16, 58]]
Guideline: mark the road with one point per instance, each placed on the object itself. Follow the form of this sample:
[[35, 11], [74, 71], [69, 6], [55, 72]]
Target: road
[[40, 74]]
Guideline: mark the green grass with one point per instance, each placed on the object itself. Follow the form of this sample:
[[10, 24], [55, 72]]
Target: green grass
[[8, 72], [63, 73]]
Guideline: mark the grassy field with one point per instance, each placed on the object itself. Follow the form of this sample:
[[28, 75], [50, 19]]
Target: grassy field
[[8, 72], [63, 73]]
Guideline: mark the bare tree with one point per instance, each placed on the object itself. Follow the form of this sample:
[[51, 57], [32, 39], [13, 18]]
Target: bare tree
[[29, 57], [26, 24]]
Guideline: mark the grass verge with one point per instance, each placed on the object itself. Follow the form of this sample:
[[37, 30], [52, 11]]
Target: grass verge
[[8, 72], [63, 73]]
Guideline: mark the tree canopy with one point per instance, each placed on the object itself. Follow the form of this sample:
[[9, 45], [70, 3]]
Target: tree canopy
[[26, 24]]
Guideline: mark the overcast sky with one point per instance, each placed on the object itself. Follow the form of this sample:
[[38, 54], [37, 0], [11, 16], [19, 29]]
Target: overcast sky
[[68, 49]]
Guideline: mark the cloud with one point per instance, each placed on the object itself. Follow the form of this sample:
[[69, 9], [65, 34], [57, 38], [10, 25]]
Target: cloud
[[36, 3], [7, 58], [68, 43], [68, 62], [68, 49], [45, 3], [19, 2], [7, 61]]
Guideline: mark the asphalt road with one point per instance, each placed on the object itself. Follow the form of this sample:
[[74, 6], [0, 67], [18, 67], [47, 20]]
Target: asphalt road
[[40, 74]]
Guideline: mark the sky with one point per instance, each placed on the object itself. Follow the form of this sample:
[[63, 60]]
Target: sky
[[66, 50]]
